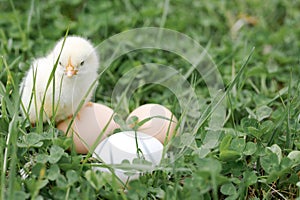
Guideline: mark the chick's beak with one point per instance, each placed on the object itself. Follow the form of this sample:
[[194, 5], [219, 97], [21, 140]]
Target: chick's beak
[[70, 69]]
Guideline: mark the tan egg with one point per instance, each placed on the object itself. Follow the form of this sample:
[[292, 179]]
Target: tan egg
[[162, 125], [88, 125]]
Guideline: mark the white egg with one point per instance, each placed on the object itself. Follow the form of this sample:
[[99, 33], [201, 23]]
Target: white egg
[[89, 125], [124, 146], [162, 124]]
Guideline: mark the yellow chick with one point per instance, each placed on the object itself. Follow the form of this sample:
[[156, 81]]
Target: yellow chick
[[75, 74]]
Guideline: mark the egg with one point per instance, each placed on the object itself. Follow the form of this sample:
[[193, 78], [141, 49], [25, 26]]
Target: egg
[[162, 125], [88, 125], [124, 146]]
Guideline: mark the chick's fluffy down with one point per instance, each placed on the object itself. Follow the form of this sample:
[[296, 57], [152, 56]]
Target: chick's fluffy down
[[68, 91]]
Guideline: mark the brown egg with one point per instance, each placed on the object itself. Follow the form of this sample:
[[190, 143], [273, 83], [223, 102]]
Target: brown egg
[[161, 126], [88, 125]]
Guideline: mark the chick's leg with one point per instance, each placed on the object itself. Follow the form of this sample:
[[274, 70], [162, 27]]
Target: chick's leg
[[89, 104]]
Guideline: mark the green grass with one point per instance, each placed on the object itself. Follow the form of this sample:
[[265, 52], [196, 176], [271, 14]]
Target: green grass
[[257, 154]]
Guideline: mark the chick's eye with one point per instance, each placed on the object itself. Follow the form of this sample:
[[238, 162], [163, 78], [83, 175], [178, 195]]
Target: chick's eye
[[82, 63], [60, 63]]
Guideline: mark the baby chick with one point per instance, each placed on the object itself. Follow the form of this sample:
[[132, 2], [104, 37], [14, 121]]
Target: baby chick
[[75, 73]]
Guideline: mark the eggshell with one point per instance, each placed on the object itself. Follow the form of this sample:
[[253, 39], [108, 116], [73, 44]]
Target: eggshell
[[123, 145], [88, 125], [161, 126]]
